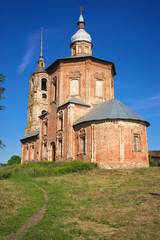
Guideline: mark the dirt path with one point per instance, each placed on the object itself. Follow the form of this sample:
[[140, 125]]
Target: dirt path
[[33, 220]]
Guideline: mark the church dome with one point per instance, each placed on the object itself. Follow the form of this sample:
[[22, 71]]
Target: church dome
[[81, 35]]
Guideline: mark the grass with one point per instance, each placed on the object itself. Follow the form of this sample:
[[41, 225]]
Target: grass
[[37, 169], [97, 204], [19, 200]]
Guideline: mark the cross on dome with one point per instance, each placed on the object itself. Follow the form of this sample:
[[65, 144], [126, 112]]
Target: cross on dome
[[81, 8]]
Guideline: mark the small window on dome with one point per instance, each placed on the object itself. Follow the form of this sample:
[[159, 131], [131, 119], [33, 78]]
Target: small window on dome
[[80, 49], [87, 49]]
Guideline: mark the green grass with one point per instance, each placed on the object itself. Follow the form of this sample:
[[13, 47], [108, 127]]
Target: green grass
[[96, 204], [111, 204], [37, 169], [19, 200]]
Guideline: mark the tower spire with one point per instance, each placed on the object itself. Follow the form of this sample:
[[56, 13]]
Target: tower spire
[[41, 54], [41, 62]]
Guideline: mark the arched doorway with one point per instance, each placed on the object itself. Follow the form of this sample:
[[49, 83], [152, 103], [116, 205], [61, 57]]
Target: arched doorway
[[53, 151]]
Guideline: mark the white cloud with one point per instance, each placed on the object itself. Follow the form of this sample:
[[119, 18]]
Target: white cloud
[[150, 102], [28, 55], [32, 42]]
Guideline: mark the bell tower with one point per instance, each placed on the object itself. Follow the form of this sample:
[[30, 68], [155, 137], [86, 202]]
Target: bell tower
[[38, 94], [81, 42]]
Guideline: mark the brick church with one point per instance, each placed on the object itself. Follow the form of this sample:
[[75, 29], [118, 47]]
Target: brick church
[[72, 112]]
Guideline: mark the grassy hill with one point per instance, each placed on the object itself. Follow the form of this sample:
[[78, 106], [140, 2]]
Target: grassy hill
[[84, 203]]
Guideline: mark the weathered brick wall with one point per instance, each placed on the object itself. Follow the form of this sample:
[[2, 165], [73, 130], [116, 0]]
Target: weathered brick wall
[[108, 143], [111, 144], [115, 145], [36, 102], [86, 71], [30, 150]]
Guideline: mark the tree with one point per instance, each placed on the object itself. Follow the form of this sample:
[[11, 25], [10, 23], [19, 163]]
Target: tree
[[2, 145], [14, 159], [2, 78]]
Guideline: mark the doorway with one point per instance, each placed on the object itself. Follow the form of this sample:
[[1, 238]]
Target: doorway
[[53, 152]]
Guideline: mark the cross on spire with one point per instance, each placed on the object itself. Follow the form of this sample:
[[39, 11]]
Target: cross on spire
[[81, 8]]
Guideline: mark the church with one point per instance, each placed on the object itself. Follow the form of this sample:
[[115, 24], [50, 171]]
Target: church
[[73, 115]]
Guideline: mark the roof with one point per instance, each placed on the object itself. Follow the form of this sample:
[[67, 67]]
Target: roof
[[81, 19], [81, 35], [80, 57], [75, 101], [40, 70], [154, 153], [32, 134], [110, 110]]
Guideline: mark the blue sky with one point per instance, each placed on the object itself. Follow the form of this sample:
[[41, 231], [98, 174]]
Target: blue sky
[[126, 32]]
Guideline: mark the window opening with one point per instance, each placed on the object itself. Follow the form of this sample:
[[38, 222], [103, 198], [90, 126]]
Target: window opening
[[61, 123], [99, 91], [83, 144], [60, 146], [45, 150], [44, 84], [53, 151], [136, 143], [44, 95], [74, 87], [43, 112], [55, 91], [46, 128]]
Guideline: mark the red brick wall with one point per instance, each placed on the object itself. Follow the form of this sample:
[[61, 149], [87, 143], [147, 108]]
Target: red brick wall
[[111, 144]]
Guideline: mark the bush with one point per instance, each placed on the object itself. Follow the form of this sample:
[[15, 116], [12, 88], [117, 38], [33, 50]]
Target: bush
[[14, 160], [151, 163], [37, 169]]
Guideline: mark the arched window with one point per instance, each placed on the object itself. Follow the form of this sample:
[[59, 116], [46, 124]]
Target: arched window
[[44, 95], [99, 88], [44, 84], [74, 87]]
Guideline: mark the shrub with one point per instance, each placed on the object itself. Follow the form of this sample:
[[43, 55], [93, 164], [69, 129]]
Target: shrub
[[14, 159], [37, 169], [151, 163]]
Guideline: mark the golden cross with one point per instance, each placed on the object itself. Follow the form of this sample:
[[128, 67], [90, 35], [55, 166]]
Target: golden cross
[[81, 8]]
